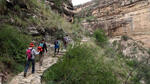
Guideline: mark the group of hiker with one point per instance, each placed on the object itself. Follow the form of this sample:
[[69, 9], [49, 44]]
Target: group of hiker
[[31, 52]]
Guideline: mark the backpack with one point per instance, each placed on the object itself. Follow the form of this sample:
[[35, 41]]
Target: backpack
[[41, 44], [40, 49], [29, 53]]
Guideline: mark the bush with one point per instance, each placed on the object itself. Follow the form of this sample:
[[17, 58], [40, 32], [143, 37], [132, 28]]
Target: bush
[[124, 37], [143, 73], [100, 36], [13, 45], [79, 66]]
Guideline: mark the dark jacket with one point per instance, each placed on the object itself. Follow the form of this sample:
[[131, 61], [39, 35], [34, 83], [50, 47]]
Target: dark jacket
[[44, 47]]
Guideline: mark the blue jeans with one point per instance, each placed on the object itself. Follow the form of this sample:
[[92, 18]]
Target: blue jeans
[[27, 65]]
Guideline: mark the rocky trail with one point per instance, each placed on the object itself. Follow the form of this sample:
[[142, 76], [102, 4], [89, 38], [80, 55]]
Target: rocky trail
[[35, 78]]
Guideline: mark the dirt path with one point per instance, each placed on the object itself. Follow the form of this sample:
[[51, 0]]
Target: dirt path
[[36, 77]]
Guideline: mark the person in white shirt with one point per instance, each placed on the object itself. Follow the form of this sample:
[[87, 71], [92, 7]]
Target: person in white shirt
[[31, 52]]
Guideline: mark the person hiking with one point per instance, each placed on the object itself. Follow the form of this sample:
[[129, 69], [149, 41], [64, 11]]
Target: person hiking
[[65, 40], [30, 53], [44, 48], [56, 46]]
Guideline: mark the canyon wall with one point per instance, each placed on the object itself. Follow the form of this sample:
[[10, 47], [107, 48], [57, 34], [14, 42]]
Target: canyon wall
[[121, 17]]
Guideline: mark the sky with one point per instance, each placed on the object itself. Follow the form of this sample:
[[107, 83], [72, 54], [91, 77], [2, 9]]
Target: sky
[[78, 2]]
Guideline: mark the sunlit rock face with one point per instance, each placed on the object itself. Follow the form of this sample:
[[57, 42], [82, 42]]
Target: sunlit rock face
[[120, 17]]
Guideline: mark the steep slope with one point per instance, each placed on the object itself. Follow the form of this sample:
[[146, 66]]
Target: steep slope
[[95, 61], [35, 18], [25, 21]]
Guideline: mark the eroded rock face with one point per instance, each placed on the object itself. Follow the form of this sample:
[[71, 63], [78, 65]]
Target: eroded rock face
[[64, 7], [120, 17], [130, 48]]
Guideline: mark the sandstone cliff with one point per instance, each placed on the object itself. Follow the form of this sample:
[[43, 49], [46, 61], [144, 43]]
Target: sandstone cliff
[[119, 17]]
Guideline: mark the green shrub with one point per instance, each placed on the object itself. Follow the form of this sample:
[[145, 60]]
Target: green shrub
[[100, 36], [19, 21], [143, 73], [124, 37], [17, 8], [132, 63], [58, 4], [79, 66], [13, 46]]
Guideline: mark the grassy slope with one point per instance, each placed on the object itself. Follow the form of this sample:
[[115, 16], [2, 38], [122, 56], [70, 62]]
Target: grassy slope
[[37, 14], [96, 62], [89, 63], [12, 51]]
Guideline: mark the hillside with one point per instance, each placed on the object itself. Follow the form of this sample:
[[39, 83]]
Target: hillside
[[23, 22]]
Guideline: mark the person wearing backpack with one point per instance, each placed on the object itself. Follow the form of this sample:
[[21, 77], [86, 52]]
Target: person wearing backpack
[[44, 48], [65, 40], [56, 46], [30, 53]]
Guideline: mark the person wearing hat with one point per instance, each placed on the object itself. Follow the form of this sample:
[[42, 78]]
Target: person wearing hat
[[31, 52]]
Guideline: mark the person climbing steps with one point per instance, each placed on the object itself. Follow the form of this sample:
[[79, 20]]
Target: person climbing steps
[[56, 46], [35, 78], [42, 48], [31, 52], [65, 41]]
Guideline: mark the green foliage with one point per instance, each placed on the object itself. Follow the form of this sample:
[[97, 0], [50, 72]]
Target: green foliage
[[142, 73], [132, 63], [13, 45], [16, 7], [79, 66], [124, 37], [145, 72], [100, 36], [19, 21], [28, 3], [32, 3], [58, 4]]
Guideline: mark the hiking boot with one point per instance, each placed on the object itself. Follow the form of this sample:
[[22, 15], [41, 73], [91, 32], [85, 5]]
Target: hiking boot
[[24, 75]]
